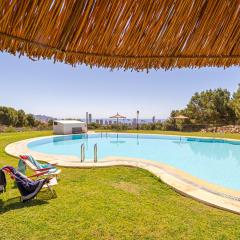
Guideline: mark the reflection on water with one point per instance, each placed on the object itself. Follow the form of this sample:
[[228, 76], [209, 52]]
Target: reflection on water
[[117, 142], [69, 137], [216, 151]]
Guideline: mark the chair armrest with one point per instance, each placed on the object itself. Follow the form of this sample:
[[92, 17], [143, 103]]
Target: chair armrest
[[38, 174], [42, 169]]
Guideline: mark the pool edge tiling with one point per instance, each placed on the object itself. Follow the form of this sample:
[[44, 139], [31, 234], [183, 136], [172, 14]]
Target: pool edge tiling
[[181, 182]]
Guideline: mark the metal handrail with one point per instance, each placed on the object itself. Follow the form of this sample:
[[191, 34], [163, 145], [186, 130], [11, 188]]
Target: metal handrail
[[95, 152], [82, 152]]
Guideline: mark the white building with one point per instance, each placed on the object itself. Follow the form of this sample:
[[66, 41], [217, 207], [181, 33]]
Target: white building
[[69, 127]]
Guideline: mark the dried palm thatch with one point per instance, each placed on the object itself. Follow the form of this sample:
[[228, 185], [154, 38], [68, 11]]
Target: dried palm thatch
[[135, 34]]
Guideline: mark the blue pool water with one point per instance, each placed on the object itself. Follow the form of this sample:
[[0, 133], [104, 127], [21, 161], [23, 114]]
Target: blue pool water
[[215, 161]]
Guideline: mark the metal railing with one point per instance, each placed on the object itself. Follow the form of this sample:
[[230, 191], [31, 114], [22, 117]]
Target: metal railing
[[95, 159], [95, 152], [82, 152]]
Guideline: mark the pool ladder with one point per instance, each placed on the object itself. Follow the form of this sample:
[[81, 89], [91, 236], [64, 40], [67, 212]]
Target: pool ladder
[[95, 152], [83, 152]]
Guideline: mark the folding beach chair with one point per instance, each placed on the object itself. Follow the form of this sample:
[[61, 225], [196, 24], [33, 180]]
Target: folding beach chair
[[3, 182], [27, 160], [28, 188]]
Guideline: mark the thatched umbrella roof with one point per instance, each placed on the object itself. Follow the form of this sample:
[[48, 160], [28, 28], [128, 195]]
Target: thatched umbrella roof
[[117, 116], [181, 117], [124, 34]]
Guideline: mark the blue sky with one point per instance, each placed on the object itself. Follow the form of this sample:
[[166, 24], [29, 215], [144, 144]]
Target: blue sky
[[59, 90]]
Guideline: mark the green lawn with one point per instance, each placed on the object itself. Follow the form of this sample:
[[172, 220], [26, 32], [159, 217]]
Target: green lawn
[[109, 203]]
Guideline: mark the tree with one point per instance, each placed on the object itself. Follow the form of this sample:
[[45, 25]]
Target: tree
[[4, 119], [30, 120], [22, 121], [211, 106], [50, 122], [13, 117], [8, 116], [235, 103]]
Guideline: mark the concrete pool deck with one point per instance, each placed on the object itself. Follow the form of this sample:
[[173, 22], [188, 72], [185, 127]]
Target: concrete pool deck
[[181, 182]]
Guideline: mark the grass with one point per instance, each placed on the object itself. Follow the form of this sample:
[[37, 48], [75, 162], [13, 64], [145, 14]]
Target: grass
[[109, 203]]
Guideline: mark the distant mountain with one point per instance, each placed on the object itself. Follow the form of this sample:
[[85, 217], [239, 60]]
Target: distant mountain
[[43, 118]]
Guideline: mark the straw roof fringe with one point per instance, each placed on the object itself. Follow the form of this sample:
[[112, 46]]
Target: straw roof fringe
[[127, 34]]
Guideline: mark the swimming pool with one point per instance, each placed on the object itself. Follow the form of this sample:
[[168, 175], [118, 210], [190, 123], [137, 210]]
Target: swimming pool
[[213, 160]]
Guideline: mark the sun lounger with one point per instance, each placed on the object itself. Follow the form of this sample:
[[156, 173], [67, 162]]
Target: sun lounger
[[27, 160], [27, 187], [3, 182]]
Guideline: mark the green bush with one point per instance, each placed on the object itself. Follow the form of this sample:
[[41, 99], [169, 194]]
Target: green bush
[[92, 126], [10, 129]]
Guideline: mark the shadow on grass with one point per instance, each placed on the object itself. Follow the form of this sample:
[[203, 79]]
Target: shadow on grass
[[15, 203]]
